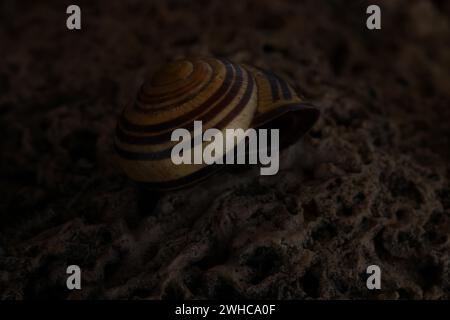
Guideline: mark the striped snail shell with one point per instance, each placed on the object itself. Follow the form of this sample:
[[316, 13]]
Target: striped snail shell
[[222, 95]]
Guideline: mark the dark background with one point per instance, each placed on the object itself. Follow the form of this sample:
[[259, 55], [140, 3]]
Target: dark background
[[370, 184]]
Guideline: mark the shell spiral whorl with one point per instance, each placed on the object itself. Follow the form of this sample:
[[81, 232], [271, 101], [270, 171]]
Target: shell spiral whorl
[[221, 94]]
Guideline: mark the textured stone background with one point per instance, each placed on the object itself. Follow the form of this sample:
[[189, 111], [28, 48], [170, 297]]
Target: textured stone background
[[370, 184]]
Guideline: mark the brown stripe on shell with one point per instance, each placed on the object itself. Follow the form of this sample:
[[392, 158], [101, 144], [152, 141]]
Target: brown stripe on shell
[[215, 103], [144, 105], [176, 122], [284, 88], [140, 106], [158, 155], [229, 101], [194, 80], [277, 84], [153, 101], [273, 84]]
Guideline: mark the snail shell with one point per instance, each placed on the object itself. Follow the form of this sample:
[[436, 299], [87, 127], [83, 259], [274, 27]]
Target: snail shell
[[222, 95]]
